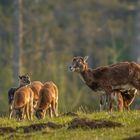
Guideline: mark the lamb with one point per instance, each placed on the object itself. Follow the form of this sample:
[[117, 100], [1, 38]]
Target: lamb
[[128, 97], [119, 99], [36, 87], [48, 99], [23, 103], [123, 75], [23, 80]]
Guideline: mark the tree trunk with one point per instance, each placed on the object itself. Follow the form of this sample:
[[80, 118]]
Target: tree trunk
[[136, 40], [17, 49]]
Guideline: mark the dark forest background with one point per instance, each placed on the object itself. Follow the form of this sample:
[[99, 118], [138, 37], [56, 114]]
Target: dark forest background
[[40, 37]]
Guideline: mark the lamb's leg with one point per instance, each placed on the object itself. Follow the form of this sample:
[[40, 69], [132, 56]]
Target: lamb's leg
[[10, 111], [128, 101], [127, 107], [31, 110], [35, 104], [120, 102], [27, 111], [50, 111], [56, 107], [117, 100], [131, 99], [53, 108], [23, 113]]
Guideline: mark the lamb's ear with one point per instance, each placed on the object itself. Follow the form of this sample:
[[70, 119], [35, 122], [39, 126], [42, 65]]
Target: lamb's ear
[[86, 58], [26, 74], [19, 77]]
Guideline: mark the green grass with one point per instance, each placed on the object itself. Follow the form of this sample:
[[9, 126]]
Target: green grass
[[129, 120]]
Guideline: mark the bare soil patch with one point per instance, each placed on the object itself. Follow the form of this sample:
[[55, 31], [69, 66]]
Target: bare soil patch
[[39, 127], [4, 130], [92, 124], [75, 123]]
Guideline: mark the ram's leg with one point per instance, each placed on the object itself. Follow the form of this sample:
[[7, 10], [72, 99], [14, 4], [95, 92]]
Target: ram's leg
[[110, 100], [109, 95], [107, 102], [101, 102]]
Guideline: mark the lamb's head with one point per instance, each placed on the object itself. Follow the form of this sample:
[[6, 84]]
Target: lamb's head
[[24, 80], [40, 113], [79, 64], [19, 113]]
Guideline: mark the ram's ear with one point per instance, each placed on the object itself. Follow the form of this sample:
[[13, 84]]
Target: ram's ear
[[86, 58]]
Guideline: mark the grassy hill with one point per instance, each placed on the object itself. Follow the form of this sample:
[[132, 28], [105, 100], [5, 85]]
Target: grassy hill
[[80, 126]]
